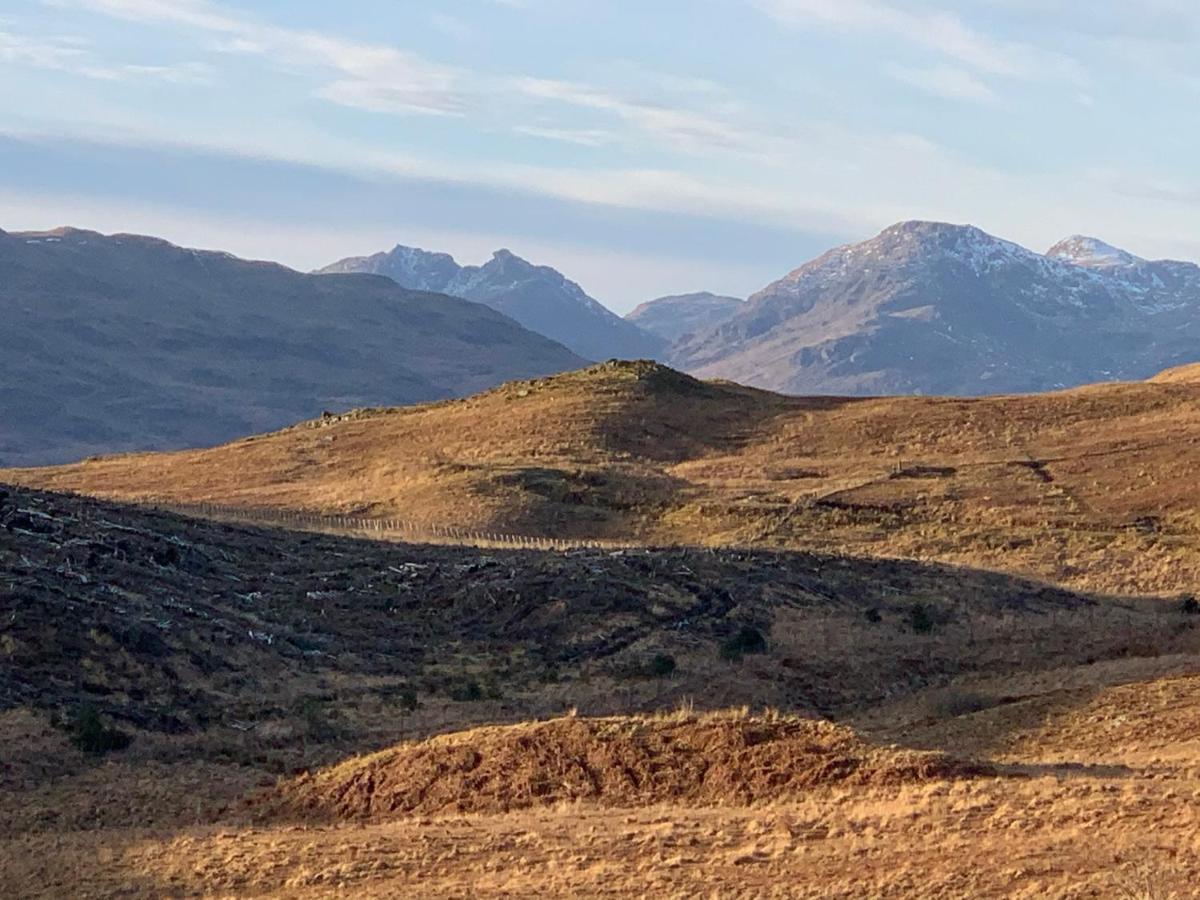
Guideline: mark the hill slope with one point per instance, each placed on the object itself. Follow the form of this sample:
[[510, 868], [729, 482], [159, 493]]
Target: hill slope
[[681, 315], [538, 297], [122, 342], [1091, 487], [224, 658], [930, 308]]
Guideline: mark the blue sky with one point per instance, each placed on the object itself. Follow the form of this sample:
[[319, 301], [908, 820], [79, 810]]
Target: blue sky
[[641, 147]]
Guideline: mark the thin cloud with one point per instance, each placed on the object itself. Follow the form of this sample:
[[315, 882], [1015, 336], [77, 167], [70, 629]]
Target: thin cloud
[[675, 123], [943, 33], [949, 82], [583, 137], [371, 76], [72, 55]]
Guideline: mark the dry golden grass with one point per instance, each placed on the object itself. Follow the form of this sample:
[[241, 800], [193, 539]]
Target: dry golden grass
[[1097, 799], [1092, 488]]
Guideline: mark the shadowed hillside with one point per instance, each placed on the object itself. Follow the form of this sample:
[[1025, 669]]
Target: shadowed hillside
[[122, 342], [1092, 487]]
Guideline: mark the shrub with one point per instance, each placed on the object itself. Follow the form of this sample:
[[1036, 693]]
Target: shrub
[[661, 666], [1189, 606], [873, 615], [91, 735], [317, 724], [921, 619], [467, 692], [747, 640]]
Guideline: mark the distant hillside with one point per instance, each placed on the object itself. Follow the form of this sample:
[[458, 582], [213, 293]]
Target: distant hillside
[[118, 343], [1092, 487], [932, 308], [538, 297], [681, 315]]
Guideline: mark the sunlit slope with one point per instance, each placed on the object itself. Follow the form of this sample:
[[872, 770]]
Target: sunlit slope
[[1093, 486]]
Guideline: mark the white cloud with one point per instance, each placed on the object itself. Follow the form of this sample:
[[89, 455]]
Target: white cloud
[[583, 137], [384, 79], [940, 32], [677, 124], [72, 54], [945, 81], [369, 76]]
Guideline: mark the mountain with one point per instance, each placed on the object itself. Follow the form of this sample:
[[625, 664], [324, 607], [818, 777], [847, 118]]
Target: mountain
[[680, 315], [1093, 487], [932, 308], [121, 342], [1092, 253], [538, 297]]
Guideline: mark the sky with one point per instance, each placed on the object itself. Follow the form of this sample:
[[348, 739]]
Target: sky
[[642, 147]]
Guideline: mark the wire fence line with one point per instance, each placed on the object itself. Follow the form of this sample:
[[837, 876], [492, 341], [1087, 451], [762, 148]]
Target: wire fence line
[[383, 528]]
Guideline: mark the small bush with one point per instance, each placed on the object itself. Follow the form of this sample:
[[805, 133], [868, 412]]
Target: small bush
[[873, 615], [317, 723], [746, 641], [921, 619], [91, 735], [661, 666], [467, 692], [1189, 606], [407, 700]]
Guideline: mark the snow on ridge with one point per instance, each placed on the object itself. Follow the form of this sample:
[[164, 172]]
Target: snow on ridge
[[1092, 252]]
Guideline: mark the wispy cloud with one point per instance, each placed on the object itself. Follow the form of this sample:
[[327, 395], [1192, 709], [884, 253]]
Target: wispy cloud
[[368, 76], [385, 79], [74, 55], [675, 123], [940, 32], [583, 137], [950, 82]]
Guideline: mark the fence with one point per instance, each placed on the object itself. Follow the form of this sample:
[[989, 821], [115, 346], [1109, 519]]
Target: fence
[[384, 529]]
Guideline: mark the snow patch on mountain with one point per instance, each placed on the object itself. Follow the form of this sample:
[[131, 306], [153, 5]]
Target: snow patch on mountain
[[1092, 252]]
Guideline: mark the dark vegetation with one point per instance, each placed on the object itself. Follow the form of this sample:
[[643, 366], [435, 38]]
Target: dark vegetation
[[150, 622]]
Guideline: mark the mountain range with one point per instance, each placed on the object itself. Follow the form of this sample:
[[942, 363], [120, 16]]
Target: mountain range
[[119, 343], [680, 315], [932, 308], [538, 297], [122, 342]]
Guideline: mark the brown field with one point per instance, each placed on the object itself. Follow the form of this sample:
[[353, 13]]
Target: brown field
[[1092, 488], [1013, 739], [833, 679], [1095, 794]]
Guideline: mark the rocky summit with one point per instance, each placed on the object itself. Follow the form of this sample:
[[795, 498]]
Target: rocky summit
[[932, 308]]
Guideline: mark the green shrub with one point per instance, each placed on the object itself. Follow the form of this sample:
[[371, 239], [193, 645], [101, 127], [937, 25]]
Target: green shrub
[[921, 619], [661, 666], [317, 723], [91, 735], [745, 641], [467, 692]]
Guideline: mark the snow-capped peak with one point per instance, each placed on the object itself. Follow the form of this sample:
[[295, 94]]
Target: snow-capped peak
[[1092, 253]]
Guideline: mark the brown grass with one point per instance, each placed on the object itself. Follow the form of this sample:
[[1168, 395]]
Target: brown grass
[[714, 759], [1092, 487], [1121, 823]]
